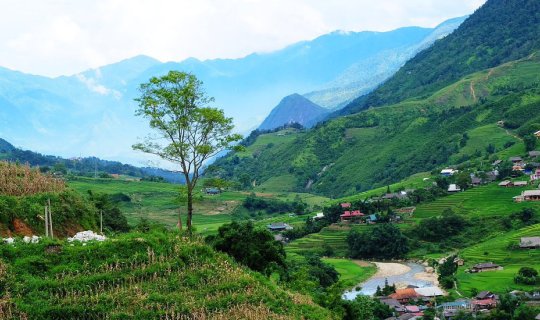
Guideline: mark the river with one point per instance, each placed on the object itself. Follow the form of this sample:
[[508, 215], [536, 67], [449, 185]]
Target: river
[[400, 274]]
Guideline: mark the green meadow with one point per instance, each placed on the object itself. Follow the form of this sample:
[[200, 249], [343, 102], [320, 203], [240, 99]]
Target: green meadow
[[503, 250], [350, 272]]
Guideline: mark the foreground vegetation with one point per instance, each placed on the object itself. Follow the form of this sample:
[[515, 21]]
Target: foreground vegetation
[[139, 276]]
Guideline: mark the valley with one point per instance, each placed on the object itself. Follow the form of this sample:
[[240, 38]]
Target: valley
[[397, 178]]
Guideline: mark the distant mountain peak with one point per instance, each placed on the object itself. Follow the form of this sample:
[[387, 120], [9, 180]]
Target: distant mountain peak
[[294, 108]]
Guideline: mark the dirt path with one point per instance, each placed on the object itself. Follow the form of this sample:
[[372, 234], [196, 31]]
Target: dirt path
[[512, 135], [363, 263], [473, 93]]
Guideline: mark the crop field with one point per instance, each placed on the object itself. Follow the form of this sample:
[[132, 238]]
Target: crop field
[[492, 133], [489, 200], [413, 182], [270, 140], [350, 272], [501, 250], [159, 202], [139, 276]]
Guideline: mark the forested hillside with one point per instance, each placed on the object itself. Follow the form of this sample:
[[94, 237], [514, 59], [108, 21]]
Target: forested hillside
[[81, 166], [383, 145], [498, 32]]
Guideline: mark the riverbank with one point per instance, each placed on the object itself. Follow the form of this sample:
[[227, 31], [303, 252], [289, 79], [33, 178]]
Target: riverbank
[[399, 274]]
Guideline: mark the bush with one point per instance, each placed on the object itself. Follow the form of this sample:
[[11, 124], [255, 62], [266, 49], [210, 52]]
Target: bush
[[384, 241], [255, 248]]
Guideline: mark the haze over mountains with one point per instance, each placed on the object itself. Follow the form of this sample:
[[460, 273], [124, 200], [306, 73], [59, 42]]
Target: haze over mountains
[[92, 113]]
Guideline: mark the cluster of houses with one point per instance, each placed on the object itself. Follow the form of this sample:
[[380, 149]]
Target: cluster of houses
[[411, 302], [356, 215], [483, 301]]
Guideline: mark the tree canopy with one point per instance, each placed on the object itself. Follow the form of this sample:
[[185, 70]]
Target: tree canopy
[[187, 131]]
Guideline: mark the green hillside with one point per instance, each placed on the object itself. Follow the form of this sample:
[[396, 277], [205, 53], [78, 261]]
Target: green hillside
[[384, 145], [498, 32], [503, 250], [139, 276]]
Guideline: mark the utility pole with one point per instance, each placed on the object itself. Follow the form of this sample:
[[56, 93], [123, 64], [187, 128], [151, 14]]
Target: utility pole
[[46, 222], [50, 218], [101, 221]]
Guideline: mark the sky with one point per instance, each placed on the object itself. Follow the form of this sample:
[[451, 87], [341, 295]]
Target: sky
[[65, 37]]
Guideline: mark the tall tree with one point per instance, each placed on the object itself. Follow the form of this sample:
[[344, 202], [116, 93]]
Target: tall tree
[[188, 131]]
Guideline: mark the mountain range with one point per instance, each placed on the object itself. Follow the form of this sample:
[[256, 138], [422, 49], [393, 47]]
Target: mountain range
[[470, 97], [92, 113]]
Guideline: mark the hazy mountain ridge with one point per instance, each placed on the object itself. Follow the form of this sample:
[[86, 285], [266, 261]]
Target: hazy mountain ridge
[[375, 147], [497, 32], [92, 113], [365, 75]]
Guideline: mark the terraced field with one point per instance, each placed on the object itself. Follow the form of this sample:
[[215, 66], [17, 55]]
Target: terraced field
[[490, 200], [333, 237], [501, 250]]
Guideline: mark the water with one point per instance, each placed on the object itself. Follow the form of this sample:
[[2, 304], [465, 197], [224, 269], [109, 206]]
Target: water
[[370, 286]]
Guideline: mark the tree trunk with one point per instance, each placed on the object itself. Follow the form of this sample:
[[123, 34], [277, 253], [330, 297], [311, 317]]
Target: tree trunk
[[179, 225], [190, 209]]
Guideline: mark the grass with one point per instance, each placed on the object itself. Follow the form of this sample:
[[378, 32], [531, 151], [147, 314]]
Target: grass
[[139, 276], [350, 272], [485, 201], [269, 140], [159, 202], [496, 136], [499, 250], [413, 182]]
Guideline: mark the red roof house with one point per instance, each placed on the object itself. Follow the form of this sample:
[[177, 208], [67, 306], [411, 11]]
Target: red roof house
[[349, 215], [345, 205]]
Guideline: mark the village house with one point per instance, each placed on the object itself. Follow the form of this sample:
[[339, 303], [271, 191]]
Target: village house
[[536, 175], [403, 296], [351, 215], [520, 183], [453, 188], [318, 216], [484, 304], [537, 134], [429, 292], [452, 309], [393, 304], [506, 183], [529, 243], [448, 172], [496, 162], [486, 266], [534, 154], [516, 160], [475, 181], [279, 226], [345, 205], [212, 191], [485, 295], [528, 195]]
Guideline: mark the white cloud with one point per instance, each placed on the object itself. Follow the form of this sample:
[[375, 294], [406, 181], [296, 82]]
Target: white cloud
[[54, 37]]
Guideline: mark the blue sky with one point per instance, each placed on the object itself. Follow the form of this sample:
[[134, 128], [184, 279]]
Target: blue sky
[[64, 37]]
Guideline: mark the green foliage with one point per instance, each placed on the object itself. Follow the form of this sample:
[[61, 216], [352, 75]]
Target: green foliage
[[139, 276], [484, 40], [189, 131], [526, 275], [69, 210], [364, 307], [394, 143], [530, 142], [255, 248], [113, 219], [438, 228], [383, 241]]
